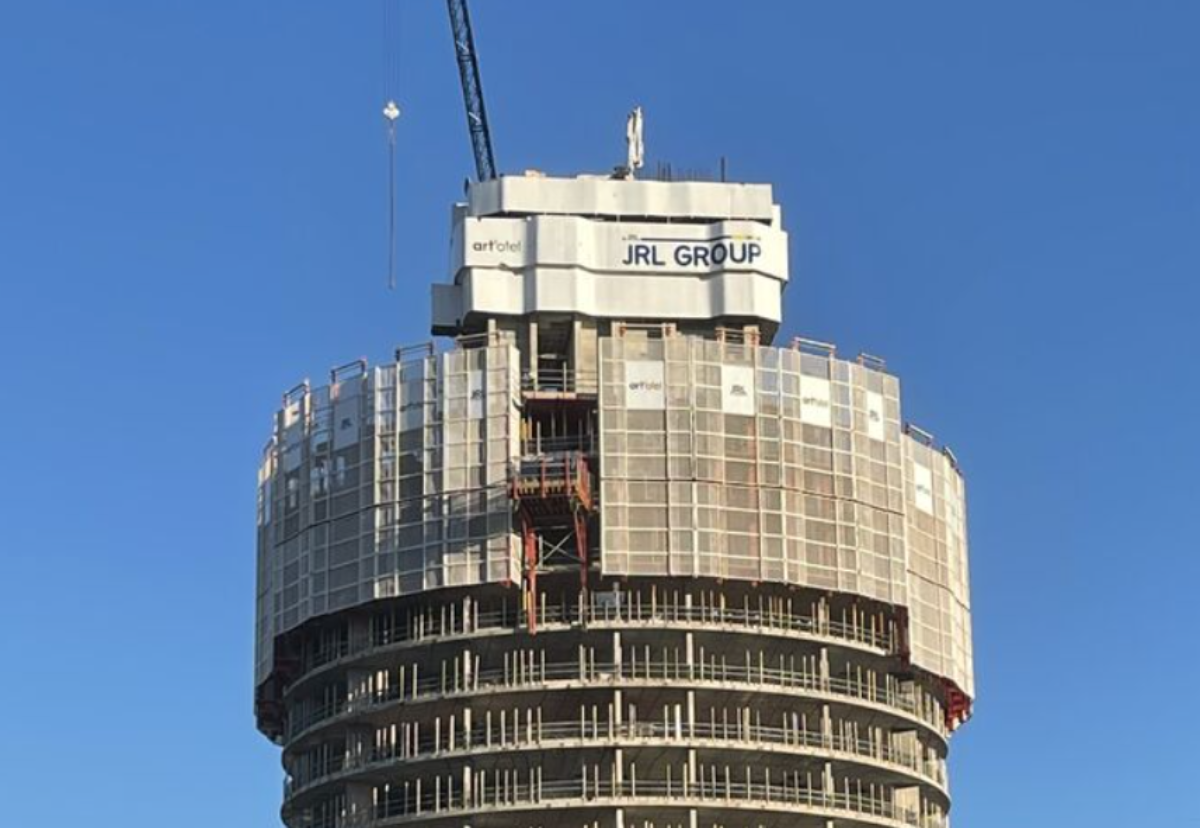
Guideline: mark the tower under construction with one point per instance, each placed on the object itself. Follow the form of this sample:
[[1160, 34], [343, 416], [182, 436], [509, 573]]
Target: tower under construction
[[611, 556]]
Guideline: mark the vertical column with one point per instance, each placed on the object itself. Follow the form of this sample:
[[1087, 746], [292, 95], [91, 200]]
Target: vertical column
[[532, 363], [690, 778]]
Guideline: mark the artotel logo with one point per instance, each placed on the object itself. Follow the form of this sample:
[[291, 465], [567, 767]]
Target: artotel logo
[[496, 246], [738, 390], [645, 385], [723, 250]]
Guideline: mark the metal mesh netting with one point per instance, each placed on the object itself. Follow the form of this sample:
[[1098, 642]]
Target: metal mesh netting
[[388, 482], [719, 459], [732, 460], [940, 602]]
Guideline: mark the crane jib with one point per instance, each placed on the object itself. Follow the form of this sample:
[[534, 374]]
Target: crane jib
[[472, 86]]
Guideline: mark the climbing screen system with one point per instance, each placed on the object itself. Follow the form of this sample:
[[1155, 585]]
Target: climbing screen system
[[388, 481], [936, 544], [736, 461]]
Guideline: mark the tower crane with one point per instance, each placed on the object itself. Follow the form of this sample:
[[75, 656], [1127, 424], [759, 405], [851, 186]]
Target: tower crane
[[468, 72]]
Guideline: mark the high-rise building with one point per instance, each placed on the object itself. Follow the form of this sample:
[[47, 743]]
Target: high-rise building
[[613, 556]]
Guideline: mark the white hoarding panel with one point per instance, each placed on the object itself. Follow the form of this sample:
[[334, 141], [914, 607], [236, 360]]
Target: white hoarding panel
[[815, 408], [737, 389], [621, 247], [645, 387], [875, 428]]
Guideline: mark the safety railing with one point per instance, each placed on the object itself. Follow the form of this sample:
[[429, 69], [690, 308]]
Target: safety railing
[[535, 446], [422, 627], [535, 675], [547, 736], [559, 381], [553, 476], [411, 801]]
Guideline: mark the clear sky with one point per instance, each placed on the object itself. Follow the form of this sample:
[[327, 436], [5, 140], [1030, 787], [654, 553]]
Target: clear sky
[[1003, 202]]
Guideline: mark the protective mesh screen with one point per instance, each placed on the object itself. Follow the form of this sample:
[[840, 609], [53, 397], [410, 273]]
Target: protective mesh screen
[[389, 482], [739, 461]]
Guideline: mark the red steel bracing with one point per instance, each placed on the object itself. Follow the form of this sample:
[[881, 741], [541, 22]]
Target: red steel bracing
[[529, 539], [583, 485], [581, 549], [958, 705], [552, 486], [556, 489]]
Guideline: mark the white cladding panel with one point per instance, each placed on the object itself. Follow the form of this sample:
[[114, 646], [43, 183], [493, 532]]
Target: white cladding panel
[[590, 247], [621, 246], [737, 389], [807, 479], [390, 482], [645, 385], [615, 197], [612, 269]]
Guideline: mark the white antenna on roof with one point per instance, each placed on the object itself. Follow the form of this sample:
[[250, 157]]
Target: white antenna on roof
[[635, 148]]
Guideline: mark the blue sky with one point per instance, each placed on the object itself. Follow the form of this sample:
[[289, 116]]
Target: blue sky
[[1003, 202]]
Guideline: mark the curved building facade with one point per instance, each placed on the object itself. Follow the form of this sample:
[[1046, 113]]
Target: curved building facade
[[611, 558]]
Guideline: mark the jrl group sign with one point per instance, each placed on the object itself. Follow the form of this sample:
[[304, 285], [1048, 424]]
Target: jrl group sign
[[629, 247], [692, 254]]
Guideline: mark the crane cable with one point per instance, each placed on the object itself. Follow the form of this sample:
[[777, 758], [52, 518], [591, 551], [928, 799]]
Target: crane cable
[[391, 112]]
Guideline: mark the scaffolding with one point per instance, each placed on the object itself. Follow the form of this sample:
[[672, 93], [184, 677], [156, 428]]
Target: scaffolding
[[554, 504]]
